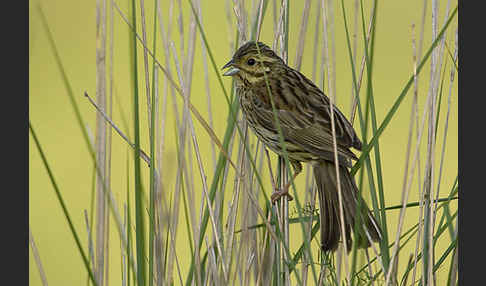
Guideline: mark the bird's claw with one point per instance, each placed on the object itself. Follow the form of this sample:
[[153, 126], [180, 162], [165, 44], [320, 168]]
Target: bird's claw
[[279, 193]]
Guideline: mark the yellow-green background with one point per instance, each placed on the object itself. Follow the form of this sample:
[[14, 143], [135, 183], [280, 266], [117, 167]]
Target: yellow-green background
[[73, 24]]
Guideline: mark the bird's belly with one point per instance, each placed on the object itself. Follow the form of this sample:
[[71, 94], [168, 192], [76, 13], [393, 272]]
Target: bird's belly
[[272, 141]]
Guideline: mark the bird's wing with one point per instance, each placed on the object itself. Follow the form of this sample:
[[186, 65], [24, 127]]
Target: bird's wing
[[304, 116], [310, 138], [319, 105]]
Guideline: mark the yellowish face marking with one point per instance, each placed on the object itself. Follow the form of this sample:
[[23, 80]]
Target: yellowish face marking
[[252, 67]]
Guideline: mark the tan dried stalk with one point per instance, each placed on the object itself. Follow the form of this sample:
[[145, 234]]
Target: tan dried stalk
[[100, 141], [37, 259], [193, 109], [354, 103], [302, 33], [330, 75], [143, 155]]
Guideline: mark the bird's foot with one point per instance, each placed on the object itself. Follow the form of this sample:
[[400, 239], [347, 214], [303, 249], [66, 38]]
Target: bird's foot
[[277, 194]]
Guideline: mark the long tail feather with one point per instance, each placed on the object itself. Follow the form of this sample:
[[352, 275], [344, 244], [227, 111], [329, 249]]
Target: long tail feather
[[330, 220]]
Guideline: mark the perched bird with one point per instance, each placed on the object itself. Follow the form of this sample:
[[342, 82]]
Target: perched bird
[[303, 112]]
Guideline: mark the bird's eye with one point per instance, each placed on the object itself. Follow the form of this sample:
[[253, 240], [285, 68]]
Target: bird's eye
[[251, 62]]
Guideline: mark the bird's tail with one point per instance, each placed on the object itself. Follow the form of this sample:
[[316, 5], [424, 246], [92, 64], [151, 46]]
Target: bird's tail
[[330, 220]]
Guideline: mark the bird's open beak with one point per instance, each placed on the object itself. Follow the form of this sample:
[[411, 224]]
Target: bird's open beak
[[233, 70]]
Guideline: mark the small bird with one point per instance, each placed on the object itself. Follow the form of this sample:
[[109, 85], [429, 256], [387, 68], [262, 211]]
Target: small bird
[[303, 112]]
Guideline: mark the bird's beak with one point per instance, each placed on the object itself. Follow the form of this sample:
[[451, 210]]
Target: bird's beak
[[233, 70]]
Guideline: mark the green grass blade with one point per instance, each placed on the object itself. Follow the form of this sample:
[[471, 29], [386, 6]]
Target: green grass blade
[[128, 228], [77, 113], [63, 205], [369, 64], [233, 110], [91, 210], [438, 234], [394, 108], [139, 212], [369, 110]]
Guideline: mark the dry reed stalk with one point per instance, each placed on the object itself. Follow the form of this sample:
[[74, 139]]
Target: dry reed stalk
[[180, 26], [246, 251], [355, 49], [245, 248], [406, 187], [370, 270], [196, 226], [164, 215], [404, 184], [229, 33], [187, 73], [332, 40], [180, 92], [157, 196], [446, 125], [107, 189], [208, 202], [331, 94], [181, 134], [355, 95], [189, 64], [430, 163], [208, 89], [452, 77], [159, 201], [259, 21], [310, 185], [252, 185], [253, 19], [90, 238], [100, 141], [316, 41], [143, 155], [427, 110], [264, 254], [281, 209], [37, 259], [278, 30], [416, 85], [415, 112], [283, 214], [302, 33], [242, 20], [109, 145], [276, 210], [440, 60], [233, 210], [94, 153], [160, 196], [224, 180], [213, 268], [418, 55], [311, 199], [258, 235]]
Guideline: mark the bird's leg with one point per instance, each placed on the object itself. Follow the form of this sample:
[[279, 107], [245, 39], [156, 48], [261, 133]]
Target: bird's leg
[[271, 172], [277, 193], [285, 190]]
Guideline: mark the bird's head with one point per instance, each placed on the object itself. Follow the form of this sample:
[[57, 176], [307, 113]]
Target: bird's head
[[251, 61]]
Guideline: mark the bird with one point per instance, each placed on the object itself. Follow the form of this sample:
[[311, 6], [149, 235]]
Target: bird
[[265, 84]]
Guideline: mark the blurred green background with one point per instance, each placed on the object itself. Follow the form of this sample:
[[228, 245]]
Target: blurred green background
[[73, 24]]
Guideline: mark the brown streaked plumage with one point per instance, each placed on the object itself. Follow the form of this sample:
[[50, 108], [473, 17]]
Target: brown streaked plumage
[[304, 115]]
